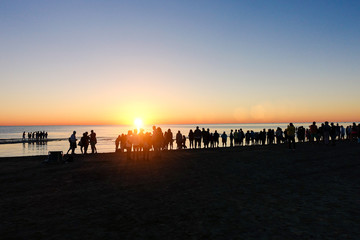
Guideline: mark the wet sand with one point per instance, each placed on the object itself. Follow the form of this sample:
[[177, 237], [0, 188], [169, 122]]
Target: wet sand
[[240, 193]]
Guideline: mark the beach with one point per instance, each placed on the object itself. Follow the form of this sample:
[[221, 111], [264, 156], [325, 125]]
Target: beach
[[267, 192]]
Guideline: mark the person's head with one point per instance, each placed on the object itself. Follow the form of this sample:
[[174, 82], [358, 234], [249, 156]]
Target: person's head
[[314, 123], [291, 124], [197, 127], [92, 131], [74, 132]]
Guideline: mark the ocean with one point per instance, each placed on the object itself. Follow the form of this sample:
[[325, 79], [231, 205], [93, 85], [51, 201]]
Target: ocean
[[11, 143]]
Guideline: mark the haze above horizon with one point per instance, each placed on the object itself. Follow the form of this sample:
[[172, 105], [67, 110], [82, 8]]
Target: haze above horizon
[[179, 62]]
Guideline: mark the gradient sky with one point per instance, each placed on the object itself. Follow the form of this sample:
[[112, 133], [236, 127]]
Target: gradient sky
[[108, 62]]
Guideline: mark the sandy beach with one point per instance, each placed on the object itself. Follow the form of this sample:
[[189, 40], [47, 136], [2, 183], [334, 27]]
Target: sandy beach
[[266, 192]]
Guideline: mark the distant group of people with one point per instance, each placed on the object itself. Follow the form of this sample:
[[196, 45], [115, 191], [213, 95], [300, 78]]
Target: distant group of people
[[35, 136], [86, 140], [331, 132], [138, 143]]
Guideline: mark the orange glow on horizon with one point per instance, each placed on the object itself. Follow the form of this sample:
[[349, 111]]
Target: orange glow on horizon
[[157, 113]]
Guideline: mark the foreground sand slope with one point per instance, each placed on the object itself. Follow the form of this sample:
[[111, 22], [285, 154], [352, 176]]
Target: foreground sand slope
[[250, 192]]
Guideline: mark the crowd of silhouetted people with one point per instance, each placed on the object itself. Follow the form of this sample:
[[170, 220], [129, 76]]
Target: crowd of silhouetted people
[[35, 136], [139, 143], [86, 140]]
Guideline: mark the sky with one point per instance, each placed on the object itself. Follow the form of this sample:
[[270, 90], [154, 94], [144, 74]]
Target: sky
[[178, 62]]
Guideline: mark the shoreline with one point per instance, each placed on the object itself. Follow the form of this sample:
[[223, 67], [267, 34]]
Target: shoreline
[[232, 149]]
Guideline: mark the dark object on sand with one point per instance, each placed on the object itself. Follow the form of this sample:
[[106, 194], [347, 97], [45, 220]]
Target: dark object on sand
[[55, 156]]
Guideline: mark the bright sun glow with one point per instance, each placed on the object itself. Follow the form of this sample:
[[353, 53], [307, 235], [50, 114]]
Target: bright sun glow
[[138, 123]]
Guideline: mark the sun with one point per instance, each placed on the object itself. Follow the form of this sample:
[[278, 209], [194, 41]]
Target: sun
[[138, 123]]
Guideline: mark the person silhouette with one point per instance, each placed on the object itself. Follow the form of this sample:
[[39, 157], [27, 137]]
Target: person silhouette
[[93, 141], [291, 135], [224, 139], [179, 140], [72, 141], [197, 137], [191, 138]]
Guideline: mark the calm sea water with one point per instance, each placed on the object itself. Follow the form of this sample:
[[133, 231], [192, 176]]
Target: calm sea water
[[106, 135]]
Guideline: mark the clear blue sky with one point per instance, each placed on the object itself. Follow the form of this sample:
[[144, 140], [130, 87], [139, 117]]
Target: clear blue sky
[[211, 61]]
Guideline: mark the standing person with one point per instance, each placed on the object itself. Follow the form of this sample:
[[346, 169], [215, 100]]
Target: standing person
[[197, 137], [342, 132], [171, 140], [291, 135], [128, 144], [84, 143], [23, 137], [216, 138], [231, 138], [183, 144], [117, 143], [333, 133], [191, 138], [326, 132], [279, 135], [313, 131], [146, 145], [224, 139], [93, 141], [136, 144], [179, 140], [241, 137], [72, 141]]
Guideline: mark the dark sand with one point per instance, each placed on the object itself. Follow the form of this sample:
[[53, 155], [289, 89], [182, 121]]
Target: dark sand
[[241, 193]]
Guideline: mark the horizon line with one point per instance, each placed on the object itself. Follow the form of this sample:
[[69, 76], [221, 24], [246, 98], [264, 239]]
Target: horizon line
[[172, 124]]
